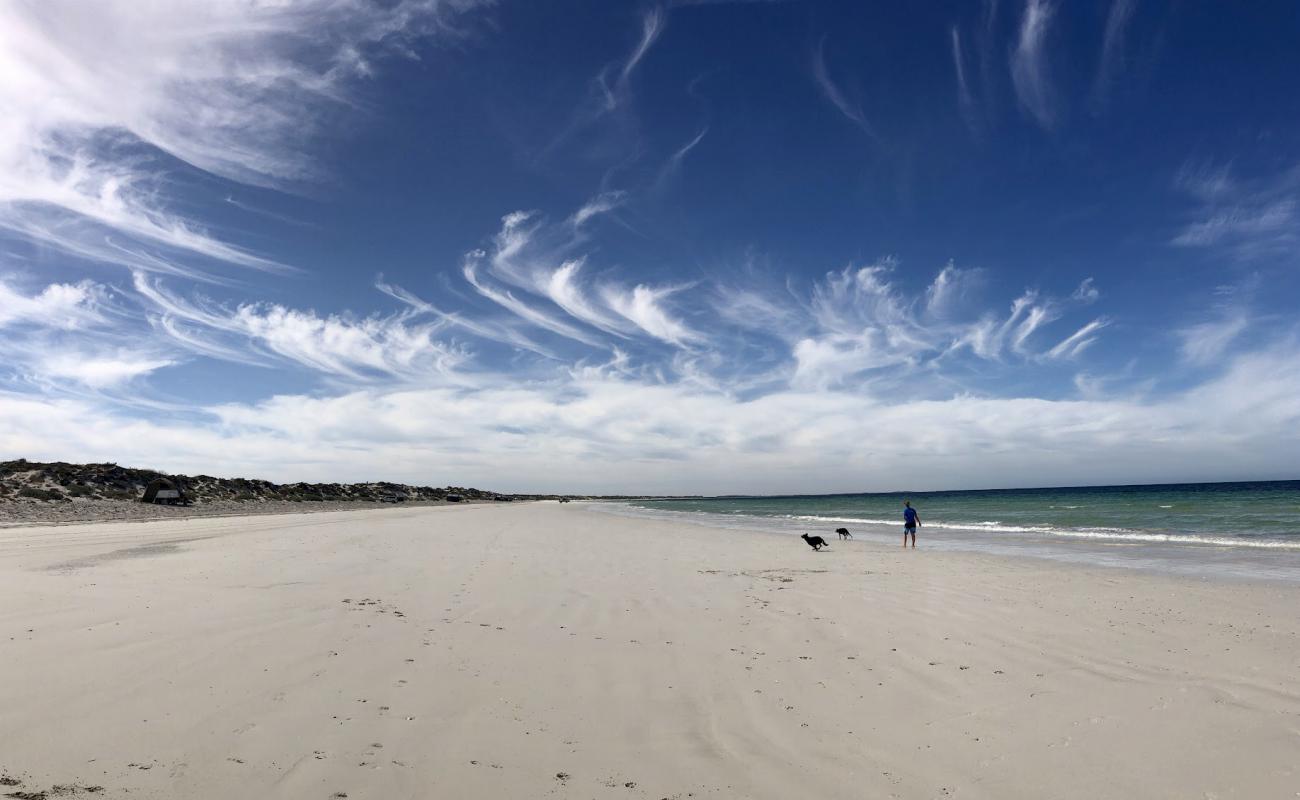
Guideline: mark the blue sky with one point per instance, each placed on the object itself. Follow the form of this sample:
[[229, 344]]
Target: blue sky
[[661, 247]]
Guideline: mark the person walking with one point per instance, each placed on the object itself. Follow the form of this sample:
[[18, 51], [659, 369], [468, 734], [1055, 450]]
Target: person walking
[[911, 521]]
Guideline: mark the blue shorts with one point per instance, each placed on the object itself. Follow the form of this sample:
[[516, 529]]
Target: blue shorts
[[909, 529]]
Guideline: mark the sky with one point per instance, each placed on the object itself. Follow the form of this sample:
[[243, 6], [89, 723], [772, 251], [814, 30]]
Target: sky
[[653, 247]]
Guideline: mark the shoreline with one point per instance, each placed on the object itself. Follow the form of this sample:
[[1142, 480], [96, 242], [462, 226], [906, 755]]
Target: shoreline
[[1191, 559]]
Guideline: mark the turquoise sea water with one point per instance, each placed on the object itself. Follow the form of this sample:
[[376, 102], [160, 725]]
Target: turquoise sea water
[[1251, 528]]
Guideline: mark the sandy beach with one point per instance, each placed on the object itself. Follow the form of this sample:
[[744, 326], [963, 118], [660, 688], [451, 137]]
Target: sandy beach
[[540, 650]]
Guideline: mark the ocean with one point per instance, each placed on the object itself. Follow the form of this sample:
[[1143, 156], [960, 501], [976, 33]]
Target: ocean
[[1249, 530]]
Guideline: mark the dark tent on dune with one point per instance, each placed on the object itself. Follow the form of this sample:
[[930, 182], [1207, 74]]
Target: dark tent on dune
[[164, 491]]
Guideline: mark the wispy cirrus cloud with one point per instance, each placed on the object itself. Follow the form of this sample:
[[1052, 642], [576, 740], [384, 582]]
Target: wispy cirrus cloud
[[551, 302], [643, 306], [1072, 346], [1087, 292], [833, 92], [564, 289], [541, 260], [1273, 221], [1206, 342], [71, 335], [952, 290], [992, 337], [1029, 67], [1247, 218], [523, 308], [602, 203], [965, 98], [673, 164], [102, 100], [615, 80], [396, 347], [1111, 61], [617, 415]]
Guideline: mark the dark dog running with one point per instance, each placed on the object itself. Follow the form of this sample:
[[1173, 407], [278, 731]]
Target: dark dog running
[[815, 542], [844, 533]]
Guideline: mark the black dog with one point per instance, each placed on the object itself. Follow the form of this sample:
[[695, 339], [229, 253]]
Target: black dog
[[815, 542], [844, 533]]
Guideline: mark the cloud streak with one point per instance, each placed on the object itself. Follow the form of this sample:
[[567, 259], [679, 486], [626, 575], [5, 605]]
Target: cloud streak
[[1110, 63], [1029, 71], [851, 110], [615, 92], [1246, 218], [965, 99]]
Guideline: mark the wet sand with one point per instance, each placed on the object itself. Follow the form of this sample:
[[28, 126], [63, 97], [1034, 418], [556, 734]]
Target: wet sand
[[540, 650]]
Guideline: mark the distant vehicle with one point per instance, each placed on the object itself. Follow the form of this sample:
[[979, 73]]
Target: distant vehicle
[[454, 498], [165, 492], [503, 499], [392, 498], [564, 499]]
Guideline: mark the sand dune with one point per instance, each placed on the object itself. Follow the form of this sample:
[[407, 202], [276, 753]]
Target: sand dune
[[541, 650]]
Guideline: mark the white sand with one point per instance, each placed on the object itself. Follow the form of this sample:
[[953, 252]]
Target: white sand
[[488, 649]]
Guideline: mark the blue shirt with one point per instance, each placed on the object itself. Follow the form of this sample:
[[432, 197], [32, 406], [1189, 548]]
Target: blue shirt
[[909, 515]]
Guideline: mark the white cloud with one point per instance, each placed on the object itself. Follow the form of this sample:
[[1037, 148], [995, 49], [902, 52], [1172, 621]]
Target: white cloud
[[1029, 63], [965, 100], [69, 334], [854, 359], [643, 307], [1205, 343], [59, 305], [652, 24], [617, 93], [595, 431], [602, 203], [563, 289], [1205, 180], [100, 370], [389, 346], [523, 310], [1247, 218], [490, 330], [852, 111], [1073, 345], [1110, 62], [673, 165], [1273, 219], [1035, 317], [95, 93], [951, 289], [990, 338], [1087, 293], [396, 347]]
